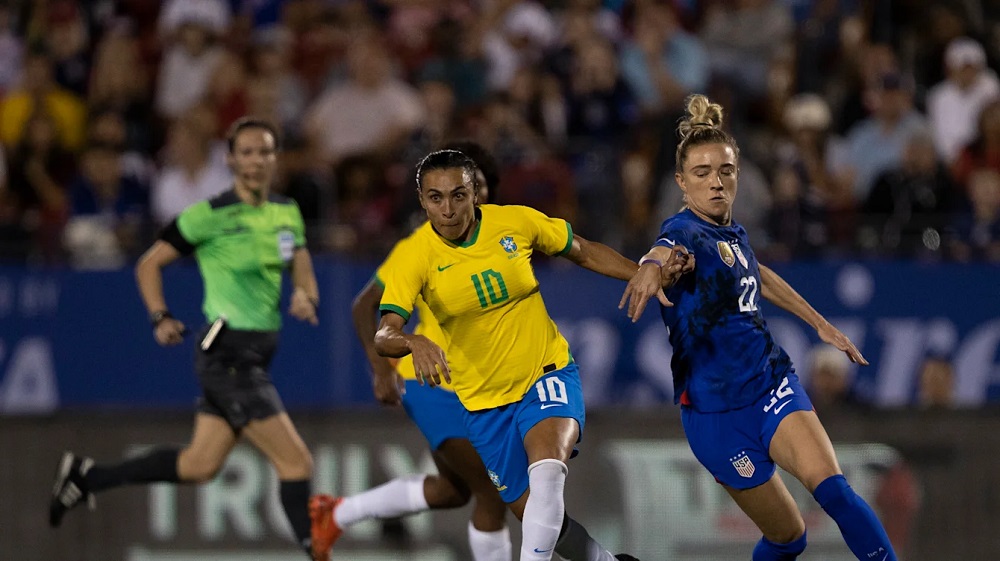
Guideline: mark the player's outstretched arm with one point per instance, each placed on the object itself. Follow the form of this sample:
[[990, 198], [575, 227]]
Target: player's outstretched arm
[[364, 311], [428, 358], [601, 259], [776, 290]]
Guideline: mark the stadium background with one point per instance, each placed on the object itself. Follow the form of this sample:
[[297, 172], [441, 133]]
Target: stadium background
[[870, 179]]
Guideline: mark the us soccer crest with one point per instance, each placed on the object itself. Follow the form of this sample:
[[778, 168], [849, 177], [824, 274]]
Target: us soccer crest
[[743, 465], [726, 253]]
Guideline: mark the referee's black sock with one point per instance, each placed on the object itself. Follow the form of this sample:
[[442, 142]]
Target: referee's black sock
[[295, 501], [157, 465]]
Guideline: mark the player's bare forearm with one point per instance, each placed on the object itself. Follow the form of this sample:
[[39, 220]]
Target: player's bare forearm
[[775, 290], [601, 259], [364, 311], [390, 340], [149, 274], [303, 275]]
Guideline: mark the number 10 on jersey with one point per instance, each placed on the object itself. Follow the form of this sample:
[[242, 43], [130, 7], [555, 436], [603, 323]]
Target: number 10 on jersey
[[495, 288]]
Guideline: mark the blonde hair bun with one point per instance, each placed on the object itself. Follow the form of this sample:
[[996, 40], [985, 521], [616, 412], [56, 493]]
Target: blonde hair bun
[[701, 113]]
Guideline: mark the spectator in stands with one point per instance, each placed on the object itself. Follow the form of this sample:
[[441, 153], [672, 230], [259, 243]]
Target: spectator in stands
[[228, 89], [660, 62], [984, 150], [876, 144], [372, 112], [39, 174], [458, 61], [273, 79], [66, 111], [908, 208], [954, 104], [11, 50], [829, 378], [109, 212], [516, 35], [807, 197], [742, 38], [360, 221], [120, 81], [108, 126], [190, 60], [190, 175], [543, 182], [214, 15], [937, 384], [68, 40], [976, 227], [857, 82]]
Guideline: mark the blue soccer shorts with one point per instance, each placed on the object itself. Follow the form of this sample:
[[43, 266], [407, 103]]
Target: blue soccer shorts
[[437, 413], [498, 433], [733, 445]]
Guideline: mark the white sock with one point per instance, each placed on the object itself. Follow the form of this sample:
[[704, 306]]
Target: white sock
[[575, 544], [403, 495], [543, 513], [490, 546]]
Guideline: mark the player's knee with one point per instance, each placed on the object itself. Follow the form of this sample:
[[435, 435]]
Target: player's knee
[[197, 470], [441, 492]]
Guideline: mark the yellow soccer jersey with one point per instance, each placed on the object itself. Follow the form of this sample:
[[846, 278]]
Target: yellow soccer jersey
[[500, 338], [426, 326]]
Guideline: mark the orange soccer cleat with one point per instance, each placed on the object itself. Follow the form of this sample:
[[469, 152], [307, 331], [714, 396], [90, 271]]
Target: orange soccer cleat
[[325, 531]]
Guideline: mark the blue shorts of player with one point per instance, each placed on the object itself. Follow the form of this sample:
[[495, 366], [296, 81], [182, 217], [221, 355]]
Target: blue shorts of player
[[498, 434], [733, 445], [436, 412]]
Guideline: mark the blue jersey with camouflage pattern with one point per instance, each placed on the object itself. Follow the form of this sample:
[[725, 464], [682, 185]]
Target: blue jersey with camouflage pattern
[[724, 356]]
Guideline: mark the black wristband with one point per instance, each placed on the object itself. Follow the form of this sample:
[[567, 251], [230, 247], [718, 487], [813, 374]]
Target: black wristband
[[157, 317]]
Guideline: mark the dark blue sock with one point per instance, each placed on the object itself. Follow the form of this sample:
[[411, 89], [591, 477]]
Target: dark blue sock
[[860, 527], [766, 550]]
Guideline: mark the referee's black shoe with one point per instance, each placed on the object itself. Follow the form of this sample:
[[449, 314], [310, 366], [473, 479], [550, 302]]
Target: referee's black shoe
[[70, 487], [625, 557]]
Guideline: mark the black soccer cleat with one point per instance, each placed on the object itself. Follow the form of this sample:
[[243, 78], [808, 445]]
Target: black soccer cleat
[[70, 487], [625, 557]]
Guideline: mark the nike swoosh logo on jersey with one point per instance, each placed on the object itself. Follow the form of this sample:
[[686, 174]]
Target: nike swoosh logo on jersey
[[440, 268], [546, 407], [235, 230], [542, 550], [669, 241], [782, 406]]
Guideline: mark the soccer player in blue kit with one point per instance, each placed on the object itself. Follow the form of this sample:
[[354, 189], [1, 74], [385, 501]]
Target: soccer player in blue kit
[[742, 406]]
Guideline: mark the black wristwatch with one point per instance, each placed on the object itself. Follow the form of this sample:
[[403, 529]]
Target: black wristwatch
[[158, 316]]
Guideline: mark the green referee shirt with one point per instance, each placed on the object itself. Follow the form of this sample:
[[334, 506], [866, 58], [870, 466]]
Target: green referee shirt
[[242, 251]]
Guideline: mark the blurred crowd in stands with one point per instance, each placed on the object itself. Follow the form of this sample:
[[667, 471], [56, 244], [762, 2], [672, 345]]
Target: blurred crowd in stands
[[868, 128]]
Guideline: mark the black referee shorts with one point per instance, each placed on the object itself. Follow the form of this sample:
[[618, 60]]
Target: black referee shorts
[[234, 378]]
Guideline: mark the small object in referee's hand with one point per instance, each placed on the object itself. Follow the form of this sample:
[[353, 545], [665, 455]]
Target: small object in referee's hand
[[213, 333]]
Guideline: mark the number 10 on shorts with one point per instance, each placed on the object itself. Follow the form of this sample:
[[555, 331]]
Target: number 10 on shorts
[[550, 390]]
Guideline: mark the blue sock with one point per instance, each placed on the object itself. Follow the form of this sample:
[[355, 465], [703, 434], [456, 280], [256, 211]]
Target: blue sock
[[766, 550], [860, 527]]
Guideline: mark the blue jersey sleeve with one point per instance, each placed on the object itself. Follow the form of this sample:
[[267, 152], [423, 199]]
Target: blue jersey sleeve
[[673, 232]]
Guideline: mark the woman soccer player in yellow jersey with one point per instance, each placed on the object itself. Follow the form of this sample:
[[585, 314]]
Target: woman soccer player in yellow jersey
[[438, 413], [517, 379]]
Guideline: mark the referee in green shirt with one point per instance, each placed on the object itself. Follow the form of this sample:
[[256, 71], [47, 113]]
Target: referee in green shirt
[[243, 240]]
